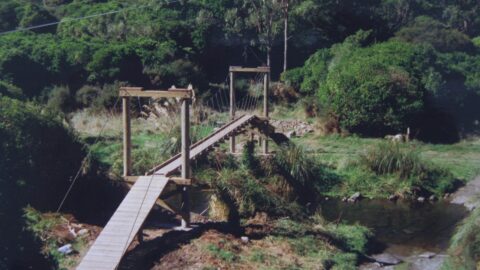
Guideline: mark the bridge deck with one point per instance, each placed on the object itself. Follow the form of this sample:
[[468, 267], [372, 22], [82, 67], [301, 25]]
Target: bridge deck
[[113, 241]]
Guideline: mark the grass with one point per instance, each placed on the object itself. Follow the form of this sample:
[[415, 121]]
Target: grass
[[42, 226], [461, 160], [464, 249], [288, 246]]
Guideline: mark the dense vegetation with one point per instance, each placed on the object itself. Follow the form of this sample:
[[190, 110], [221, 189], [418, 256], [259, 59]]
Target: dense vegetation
[[28, 139], [370, 68], [398, 71]]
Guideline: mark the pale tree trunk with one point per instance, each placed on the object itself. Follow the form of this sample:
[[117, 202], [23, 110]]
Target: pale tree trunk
[[269, 50]]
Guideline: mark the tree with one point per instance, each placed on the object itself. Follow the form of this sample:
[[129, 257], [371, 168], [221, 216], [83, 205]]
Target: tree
[[266, 17], [430, 31]]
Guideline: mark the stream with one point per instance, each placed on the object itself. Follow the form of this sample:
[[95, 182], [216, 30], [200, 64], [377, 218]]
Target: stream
[[418, 233]]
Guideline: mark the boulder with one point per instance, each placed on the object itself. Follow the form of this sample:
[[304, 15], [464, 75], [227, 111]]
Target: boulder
[[386, 258], [66, 249], [291, 134], [432, 198], [393, 197], [355, 197], [82, 232], [427, 255], [421, 199]]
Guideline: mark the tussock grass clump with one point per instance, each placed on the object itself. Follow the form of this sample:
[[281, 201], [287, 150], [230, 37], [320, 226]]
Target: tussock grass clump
[[389, 158], [406, 165], [464, 249], [306, 176]]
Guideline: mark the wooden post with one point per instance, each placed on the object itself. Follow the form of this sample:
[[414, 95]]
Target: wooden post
[[266, 83], [185, 118], [127, 142], [232, 109]]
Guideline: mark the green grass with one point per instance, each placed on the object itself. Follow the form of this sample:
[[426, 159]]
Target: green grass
[[462, 160], [222, 253], [464, 249], [42, 225]]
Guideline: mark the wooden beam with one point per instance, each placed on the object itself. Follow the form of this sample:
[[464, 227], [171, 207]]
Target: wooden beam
[[127, 139], [172, 93], [185, 157], [266, 86], [181, 181], [165, 205], [251, 70], [232, 108], [177, 180]]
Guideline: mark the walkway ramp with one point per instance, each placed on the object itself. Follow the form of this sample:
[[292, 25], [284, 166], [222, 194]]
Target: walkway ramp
[[110, 246], [206, 144], [113, 241]]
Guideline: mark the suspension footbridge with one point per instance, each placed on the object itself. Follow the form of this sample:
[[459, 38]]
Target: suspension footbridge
[[114, 240]]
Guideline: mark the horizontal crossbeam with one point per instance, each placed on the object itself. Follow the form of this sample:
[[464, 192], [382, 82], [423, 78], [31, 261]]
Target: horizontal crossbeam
[[254, 70], [171, 93], [177, 180]]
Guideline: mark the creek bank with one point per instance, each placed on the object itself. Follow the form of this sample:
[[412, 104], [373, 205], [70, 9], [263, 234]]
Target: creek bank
[[468, 195]]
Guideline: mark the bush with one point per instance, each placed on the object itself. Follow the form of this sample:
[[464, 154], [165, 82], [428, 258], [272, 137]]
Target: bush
[[98, 98], [374, 91], [476, 42], [10, 90], [39, 157], [60, 99], [293, 77]]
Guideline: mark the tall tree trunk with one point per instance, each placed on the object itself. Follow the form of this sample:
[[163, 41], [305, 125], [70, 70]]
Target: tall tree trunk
[[269, 51], [285, 38]]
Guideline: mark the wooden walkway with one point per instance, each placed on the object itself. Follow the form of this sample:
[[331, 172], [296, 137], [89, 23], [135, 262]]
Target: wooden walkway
[[110, 246], [113, 241]]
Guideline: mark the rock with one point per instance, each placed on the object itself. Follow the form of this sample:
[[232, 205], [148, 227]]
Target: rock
[[427, 255], [393, 197], [355, 197], [386, 258], [327, 198], [82, 232], [344, 199], [432, 198], [244, 239], [291, 134], [421, 199], [66, 249]]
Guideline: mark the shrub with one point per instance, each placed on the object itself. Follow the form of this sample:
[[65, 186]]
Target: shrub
[[10, 90], [293, 77], [60, 99], [98, 98], [476, 42], [38, 157]]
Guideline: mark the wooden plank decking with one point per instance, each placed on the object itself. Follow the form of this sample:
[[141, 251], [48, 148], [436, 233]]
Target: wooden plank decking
[[113, 241], [110, 246]]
